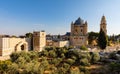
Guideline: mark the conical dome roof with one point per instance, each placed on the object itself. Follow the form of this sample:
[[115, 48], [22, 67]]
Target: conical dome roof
[[103, 19], [79, 21]]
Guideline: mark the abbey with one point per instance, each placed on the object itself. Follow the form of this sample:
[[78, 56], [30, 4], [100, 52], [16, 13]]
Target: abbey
[[79, 32], [78, 35]]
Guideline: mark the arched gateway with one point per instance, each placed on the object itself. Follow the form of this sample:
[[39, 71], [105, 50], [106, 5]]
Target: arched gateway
[[21, 46]]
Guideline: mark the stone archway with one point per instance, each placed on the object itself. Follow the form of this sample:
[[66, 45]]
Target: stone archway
[[21, 46]]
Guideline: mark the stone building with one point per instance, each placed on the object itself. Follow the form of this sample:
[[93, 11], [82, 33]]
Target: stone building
[[61, 43], [15, 44], [9, 45], [78, 35], [103, 24], [39, 40]]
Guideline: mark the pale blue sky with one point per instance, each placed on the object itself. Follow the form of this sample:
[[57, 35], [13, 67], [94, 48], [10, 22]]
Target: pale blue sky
[[55, 16]]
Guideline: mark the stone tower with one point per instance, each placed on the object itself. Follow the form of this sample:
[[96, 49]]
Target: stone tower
[[39, 40], [78, 35], [103, 24]]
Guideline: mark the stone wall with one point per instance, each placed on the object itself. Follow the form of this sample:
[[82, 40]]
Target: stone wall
[[9, 45]]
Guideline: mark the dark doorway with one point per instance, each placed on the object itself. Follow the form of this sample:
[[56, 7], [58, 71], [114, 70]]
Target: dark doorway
[[22, 47]]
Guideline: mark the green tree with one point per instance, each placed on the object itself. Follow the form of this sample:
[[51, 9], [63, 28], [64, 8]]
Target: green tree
[[74, 71], [13, 69], [102, 39], [4, 66], [83, 48], [52, 54], [84, 62], [114, 67], [29, 35], [92, 36], [33, 55], [43, 53], [70, 61], [55, 61], [14, 56], [95, 57]]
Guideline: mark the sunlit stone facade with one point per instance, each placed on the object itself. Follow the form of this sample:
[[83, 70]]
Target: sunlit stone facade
[[78, 35]]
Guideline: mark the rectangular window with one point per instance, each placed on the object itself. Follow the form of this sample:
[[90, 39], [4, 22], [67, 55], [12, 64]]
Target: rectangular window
[[81, 30]]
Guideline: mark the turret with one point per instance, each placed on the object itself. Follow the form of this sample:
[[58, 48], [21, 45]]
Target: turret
[[72, 25], [85, 28]]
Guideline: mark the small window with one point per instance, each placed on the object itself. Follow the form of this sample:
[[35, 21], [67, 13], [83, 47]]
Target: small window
[[81, 30], [36, 34]]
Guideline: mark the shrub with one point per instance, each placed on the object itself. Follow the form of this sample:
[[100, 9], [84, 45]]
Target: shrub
[[44, 63], [4, 66], [14, 56], [70, 61], [66, 66], [25, 56], [83, 48], [43, 53], [113, 56], [33, 55], [61, 70], [84, 62], [83, 70], [13, 69], [85, 55], [74, 71], [95, 57], [52, 54], [73, 57], [118, 52], [21, 62], [114, 67], [55, 61], [53, 69]]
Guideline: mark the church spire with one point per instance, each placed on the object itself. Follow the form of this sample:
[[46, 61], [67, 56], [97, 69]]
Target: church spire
[[103, 20], [103, 24]]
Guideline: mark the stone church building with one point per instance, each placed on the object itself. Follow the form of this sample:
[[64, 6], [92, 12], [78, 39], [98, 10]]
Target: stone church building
[[79, 32]]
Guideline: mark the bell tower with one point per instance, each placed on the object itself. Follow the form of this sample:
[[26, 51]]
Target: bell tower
[[103, 24], [39, 40]]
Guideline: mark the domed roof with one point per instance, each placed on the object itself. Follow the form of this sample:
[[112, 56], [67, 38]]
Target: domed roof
[[79, 21]]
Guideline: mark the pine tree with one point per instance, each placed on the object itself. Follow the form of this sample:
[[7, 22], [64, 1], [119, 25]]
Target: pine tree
[[102, 39]]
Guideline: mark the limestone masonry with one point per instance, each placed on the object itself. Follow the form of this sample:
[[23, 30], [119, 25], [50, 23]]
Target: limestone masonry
[[77, 37]]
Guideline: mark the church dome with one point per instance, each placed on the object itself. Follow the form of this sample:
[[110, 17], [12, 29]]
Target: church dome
[[79, 21]]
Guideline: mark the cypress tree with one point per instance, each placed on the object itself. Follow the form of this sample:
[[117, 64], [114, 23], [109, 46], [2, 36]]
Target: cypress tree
[[102, 39]]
